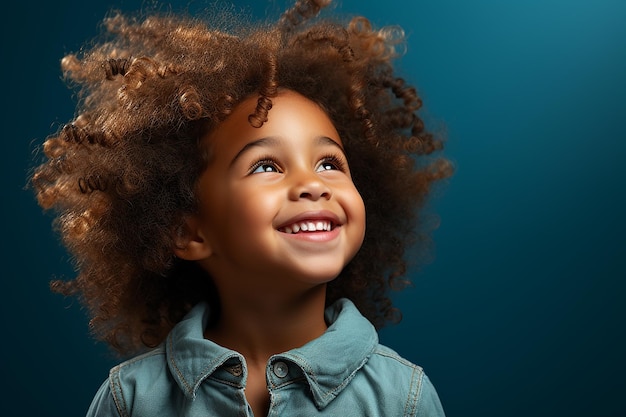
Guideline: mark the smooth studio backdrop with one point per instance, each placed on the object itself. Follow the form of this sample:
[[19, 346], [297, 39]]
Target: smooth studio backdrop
[[522, 310]]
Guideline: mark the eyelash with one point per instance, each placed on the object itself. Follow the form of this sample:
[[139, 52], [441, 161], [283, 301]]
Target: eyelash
[[335, 160], [265, 160]]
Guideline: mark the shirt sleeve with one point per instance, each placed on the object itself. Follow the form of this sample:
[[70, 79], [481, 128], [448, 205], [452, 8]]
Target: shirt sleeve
[[428, 404], [103, 404]]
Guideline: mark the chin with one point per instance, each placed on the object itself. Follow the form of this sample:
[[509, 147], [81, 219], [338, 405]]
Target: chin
[[322, 278]]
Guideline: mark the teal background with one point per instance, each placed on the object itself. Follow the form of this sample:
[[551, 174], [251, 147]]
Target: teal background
[[521, 311]]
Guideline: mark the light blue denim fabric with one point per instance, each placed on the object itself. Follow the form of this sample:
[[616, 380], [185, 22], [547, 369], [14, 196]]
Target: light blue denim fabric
[[343, 373]]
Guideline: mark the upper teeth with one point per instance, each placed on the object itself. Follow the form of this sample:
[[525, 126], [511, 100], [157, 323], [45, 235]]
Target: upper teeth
[[308, 226]]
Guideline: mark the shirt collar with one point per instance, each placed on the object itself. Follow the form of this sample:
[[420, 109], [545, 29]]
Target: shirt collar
[[328, 362], [192, 358], [331, 361]]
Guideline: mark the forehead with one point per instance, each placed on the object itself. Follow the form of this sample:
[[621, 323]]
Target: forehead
[[291, 115]]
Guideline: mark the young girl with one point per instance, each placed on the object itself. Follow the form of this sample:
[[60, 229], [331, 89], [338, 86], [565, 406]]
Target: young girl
[[213, 190]]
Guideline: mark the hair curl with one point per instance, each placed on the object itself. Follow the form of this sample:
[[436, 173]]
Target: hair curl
[[121, 176]]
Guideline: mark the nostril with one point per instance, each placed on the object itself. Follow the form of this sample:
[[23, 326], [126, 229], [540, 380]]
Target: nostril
[[315, 196], [311, 189]]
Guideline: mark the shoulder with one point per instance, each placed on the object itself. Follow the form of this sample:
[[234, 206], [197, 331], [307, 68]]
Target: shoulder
[[153, 383], [399, 379], [144, 370], [140, 377], [387, 363]]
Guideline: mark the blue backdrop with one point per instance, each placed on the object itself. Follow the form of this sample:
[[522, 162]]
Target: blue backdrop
[[522, 310]]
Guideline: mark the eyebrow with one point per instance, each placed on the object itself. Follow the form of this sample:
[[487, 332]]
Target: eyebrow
[[275, 141]]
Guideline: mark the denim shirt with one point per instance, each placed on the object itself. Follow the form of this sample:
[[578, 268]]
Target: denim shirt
[[345, 372]]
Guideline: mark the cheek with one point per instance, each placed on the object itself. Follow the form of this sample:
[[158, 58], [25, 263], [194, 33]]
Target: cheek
[[355, 202], [356, 209], [251, 208], [362, 216]]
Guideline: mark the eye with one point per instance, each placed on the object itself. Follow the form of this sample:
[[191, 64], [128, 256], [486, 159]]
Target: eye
[[264, 165], [331, 163]]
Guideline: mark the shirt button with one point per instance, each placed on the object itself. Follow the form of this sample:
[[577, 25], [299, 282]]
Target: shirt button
[[280, 369]]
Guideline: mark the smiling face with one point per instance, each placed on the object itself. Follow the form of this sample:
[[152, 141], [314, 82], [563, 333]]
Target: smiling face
[[278, 207]]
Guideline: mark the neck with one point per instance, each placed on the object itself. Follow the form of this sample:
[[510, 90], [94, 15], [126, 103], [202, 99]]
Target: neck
[[259, 327]]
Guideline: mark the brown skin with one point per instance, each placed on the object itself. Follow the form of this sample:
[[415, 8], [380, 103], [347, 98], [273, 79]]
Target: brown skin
[[260, 181], [300, 174]]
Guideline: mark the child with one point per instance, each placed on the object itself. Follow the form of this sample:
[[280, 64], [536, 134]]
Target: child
[[213, 189]]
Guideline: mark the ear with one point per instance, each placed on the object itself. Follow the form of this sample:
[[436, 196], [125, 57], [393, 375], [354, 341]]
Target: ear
[[190, 243]]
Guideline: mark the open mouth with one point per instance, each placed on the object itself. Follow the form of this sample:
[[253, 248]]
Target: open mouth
[[308, 226]]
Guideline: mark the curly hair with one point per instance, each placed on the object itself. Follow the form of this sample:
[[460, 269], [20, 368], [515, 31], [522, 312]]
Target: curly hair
[[121, 176]]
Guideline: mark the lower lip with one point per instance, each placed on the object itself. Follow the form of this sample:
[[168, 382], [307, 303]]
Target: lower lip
[[321, 236]]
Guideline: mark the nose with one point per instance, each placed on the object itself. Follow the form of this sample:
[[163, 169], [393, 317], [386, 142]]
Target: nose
[[309, 186]]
